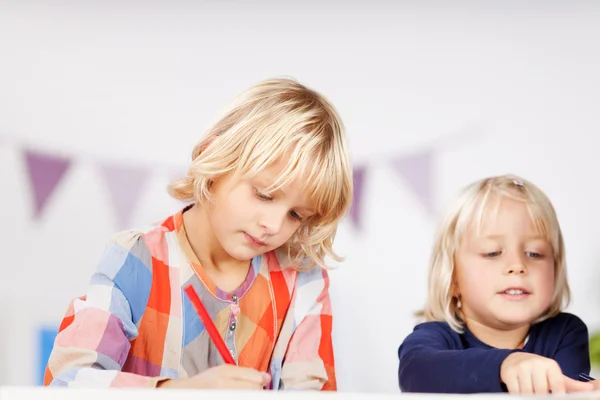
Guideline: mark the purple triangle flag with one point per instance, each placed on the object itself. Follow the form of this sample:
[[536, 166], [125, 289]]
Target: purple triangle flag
[[358, 176], [417, 171], [125, 185], [45, 172]]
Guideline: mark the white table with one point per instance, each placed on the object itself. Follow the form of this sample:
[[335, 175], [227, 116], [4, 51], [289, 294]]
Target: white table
[[44, 393]]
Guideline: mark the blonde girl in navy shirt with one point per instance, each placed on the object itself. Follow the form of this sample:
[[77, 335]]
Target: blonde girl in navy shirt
[[497, 289]]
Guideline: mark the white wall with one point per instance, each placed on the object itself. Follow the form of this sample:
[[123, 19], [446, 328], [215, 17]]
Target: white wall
[[139, 82]]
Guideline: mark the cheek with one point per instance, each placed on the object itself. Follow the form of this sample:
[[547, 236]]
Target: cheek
[[474, 280], [290, 227], [545, 280], [468, 270], [287, 231], [225, 217], [235, 207]]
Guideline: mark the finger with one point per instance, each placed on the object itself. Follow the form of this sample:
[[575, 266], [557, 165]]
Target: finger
[[251, 375], [556, 381], [539, 380], [571, 385], [239, 384], [525, 383], [512, 384], [235, 372]]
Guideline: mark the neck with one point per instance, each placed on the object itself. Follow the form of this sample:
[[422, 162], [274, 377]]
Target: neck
[[205, 244], [512, 338]]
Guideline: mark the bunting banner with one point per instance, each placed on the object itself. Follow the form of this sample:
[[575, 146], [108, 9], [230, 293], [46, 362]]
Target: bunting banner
[[45, 173], [418, 172], [126, 183], [358, 177]]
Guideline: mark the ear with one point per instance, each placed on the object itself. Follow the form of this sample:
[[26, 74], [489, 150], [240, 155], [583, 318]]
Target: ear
[[454, 289], [455, 293]]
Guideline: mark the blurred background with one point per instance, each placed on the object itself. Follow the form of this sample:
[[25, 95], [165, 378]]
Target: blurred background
[[101, 103]]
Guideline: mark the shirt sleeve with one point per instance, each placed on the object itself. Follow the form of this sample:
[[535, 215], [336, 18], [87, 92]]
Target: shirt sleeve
[[94, 337], [573, 353], [309, 360], [430, 362]]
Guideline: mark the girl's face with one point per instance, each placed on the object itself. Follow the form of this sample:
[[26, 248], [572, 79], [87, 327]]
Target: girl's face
[[248, 221], [505, 276]]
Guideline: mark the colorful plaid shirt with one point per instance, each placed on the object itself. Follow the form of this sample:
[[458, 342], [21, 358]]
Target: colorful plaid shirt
[[135, 326]]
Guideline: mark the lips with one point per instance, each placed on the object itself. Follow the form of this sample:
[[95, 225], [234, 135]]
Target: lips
[[254, 241], [515, 291], [515, 294]]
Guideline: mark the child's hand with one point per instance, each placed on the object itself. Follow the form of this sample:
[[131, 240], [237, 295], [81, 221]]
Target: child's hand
[[529, 373], [221, 377]]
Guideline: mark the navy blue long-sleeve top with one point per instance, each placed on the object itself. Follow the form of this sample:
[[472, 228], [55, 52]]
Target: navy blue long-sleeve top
[[436, 359]]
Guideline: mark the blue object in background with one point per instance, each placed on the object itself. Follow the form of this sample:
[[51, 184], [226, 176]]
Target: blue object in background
[[46, 336]]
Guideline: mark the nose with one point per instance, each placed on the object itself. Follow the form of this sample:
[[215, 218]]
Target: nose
[[516, 266], [517, 270]]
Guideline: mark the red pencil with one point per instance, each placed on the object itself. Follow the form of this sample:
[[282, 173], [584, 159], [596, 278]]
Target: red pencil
[[209, 325]]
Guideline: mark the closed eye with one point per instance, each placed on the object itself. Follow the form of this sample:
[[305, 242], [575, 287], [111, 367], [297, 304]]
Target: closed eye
[[295, 216], [532, 254], [262, 196], [493, 254]]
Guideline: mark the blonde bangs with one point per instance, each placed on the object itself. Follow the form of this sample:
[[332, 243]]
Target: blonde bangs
[[541, 213]]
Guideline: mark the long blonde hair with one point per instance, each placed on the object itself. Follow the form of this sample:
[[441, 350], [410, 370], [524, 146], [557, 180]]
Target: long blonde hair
[[273, 120], [469, 207]]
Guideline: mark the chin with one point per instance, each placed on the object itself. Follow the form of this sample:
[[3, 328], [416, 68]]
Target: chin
[[516, 320], [242, 254]]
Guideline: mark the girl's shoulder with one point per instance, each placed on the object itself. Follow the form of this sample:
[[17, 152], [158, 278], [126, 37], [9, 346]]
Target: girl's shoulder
[[560, 326], [562, 320]]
